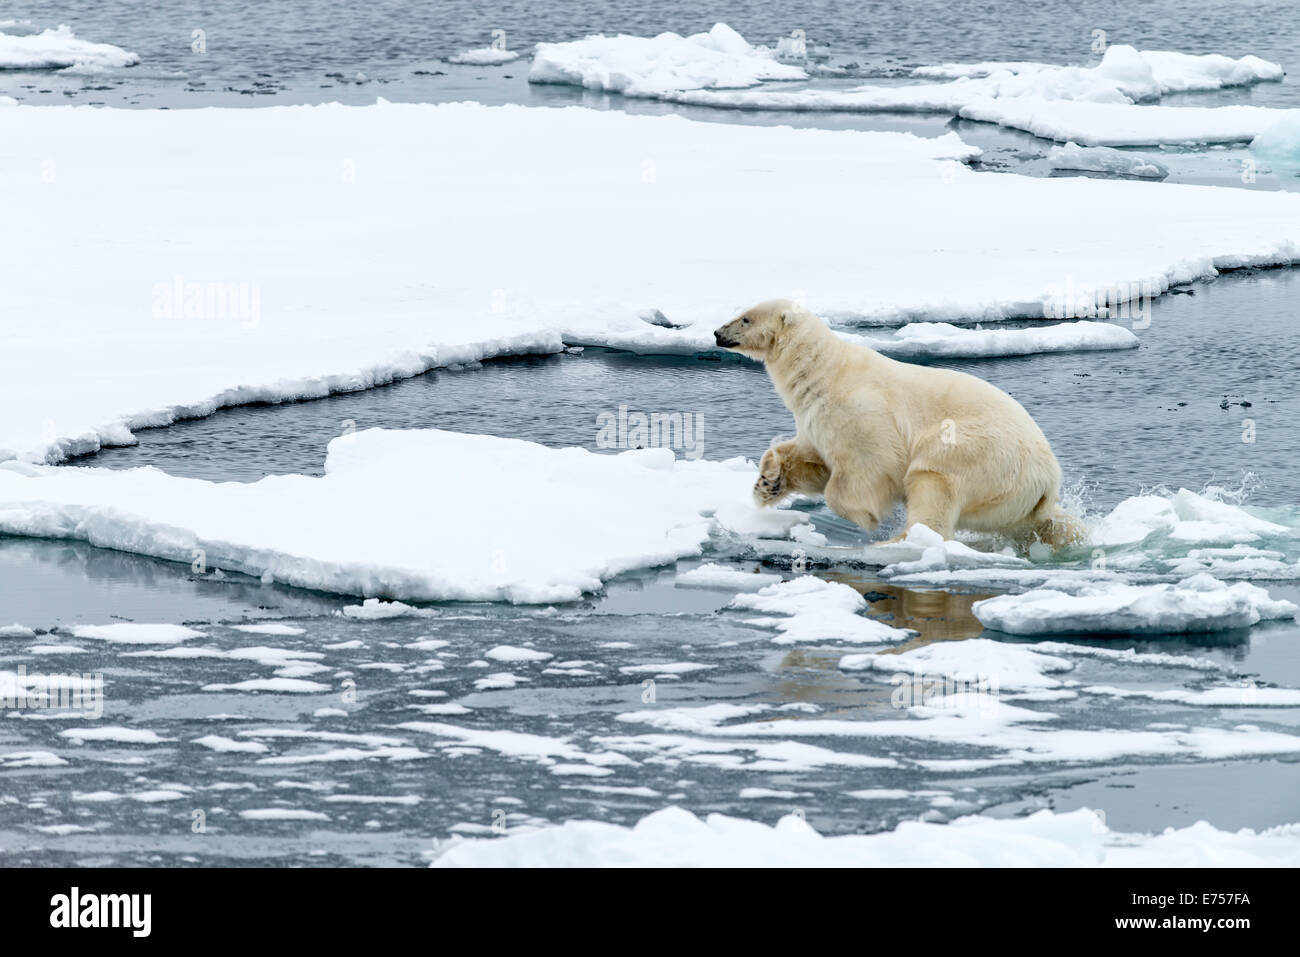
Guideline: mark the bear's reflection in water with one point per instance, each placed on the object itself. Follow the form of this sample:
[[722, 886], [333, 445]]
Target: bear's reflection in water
[[812, 675]]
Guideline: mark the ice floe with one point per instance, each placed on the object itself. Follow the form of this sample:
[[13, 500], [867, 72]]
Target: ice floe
[[651, 66], [485, 56], [675, 837], [1279, 143], [129, 633], [977, 663], [134, 308], [1103, 159], [1199, 603], [808, 609], [713, 575], [58, 48], [333, 533], [115, 734], [282, 814]]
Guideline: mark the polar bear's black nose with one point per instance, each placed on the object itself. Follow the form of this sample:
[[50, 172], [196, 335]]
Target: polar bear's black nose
[[720, 339]]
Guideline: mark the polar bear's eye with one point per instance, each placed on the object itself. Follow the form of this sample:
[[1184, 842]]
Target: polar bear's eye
[[744, 320]]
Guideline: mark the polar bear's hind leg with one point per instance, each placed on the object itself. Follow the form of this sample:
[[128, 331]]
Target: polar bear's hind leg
[[858, 496], [931, 502], [1053, 525]]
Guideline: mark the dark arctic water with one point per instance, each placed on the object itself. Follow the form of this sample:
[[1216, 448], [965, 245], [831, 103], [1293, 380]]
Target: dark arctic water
[[311, 52]]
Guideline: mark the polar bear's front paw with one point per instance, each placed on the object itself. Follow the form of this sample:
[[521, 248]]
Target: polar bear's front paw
[[770, 487]]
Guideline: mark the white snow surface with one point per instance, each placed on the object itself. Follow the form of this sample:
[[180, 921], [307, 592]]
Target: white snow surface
[[316, 272], [674, 837]]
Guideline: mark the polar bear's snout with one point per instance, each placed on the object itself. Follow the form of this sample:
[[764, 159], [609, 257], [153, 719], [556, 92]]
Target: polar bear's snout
[[720, 337]]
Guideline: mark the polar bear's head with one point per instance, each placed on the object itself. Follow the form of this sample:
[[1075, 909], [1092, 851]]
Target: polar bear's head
[[759, 330]]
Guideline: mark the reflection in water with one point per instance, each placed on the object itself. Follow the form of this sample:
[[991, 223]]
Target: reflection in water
[[935, 615]]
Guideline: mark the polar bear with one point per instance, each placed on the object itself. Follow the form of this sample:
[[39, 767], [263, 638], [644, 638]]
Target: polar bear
[[871, 431]]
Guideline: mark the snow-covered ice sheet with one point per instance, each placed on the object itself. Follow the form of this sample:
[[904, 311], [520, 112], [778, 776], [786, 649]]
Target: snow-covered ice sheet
[[390, 517], [674, 837], [58, 48], [316, 265]]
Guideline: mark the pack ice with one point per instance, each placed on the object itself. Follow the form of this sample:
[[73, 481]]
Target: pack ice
[[1102, 105]]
